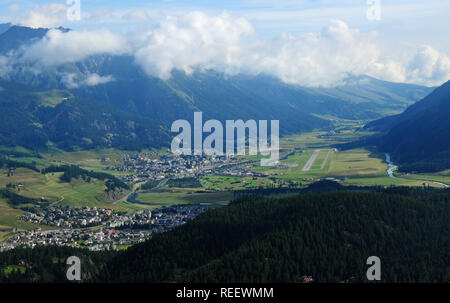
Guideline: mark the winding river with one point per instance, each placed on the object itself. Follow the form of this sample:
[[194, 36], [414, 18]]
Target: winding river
[[392, 168]]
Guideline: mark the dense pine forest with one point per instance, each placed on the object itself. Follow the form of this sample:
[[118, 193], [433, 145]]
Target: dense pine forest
[[47, 264], [327, 236], [418, 139]]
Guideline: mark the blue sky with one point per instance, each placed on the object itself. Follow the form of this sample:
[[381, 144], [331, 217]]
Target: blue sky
[[425, 22], [409, 42]]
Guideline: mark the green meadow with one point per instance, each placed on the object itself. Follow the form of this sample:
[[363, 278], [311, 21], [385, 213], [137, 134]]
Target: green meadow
[[442, 176], [182, 196], [9, 219], [49, 186]]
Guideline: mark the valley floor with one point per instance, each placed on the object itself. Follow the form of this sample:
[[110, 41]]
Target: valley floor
[[305, 159]]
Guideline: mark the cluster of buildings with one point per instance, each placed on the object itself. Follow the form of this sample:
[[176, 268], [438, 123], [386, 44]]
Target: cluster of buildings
[[241, 171], [102, 239], [145, 166], [119, 229], [157, 220], [67, 217]]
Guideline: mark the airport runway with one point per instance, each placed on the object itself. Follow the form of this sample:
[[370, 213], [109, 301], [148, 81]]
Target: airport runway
[[311, 160], [325, 160]]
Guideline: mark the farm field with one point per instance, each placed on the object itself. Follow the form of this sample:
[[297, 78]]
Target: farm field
[[345, 131], [86, 159], [360, 167], [182, 196], [9, 218], [89, 160], [356, 162], [353, 167], [20, 175], [48, 186], [443, 176], [230, 183]]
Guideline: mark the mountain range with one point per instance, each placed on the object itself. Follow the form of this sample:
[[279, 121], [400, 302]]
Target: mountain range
[[36, 118], [152, 102]]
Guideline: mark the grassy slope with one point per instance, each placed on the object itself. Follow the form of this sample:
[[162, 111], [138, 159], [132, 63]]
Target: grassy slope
[[51, 188], [9, 218], [88, 159], [442, 176]]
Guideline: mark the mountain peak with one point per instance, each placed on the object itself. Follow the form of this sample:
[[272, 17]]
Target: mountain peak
[[4, 27], [16, 36]]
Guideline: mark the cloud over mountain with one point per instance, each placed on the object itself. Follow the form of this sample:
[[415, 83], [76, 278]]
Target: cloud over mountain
[[59, 47], [231, 45], [314, 59], [429, 66], [195, 40], [70, 80]]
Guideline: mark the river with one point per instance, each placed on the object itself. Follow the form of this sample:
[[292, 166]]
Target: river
[[392, 168]]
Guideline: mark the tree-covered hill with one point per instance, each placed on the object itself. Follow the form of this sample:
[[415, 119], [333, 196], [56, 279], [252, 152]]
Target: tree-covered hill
[[419, 139], [33, 118], [328, 236]]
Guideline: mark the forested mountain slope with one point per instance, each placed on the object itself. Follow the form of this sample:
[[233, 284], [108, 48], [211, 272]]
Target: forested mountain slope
[[419, 139], [35, 118], [328, 236]]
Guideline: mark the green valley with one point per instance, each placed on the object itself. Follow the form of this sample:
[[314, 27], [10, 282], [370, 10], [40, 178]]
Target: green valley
[[354, 167]]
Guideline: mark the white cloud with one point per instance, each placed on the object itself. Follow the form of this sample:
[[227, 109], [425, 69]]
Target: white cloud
[[319, 59], [314, 59], [59, 47], [5, 66], [231, 45], [194, 40], [95, 79], [46, 16], [429, 66], [70, 80]]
